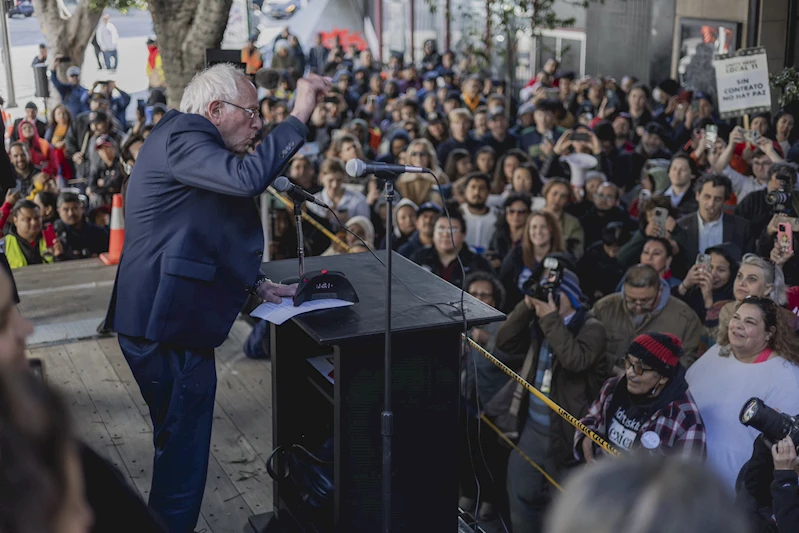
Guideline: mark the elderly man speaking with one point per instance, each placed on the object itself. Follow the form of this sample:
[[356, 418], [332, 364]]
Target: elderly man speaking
[[193, 248]]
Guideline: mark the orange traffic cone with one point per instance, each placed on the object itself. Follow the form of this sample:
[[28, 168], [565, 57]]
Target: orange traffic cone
[[117, 239]]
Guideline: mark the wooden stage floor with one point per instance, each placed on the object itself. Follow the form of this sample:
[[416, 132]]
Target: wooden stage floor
[[110, 414]]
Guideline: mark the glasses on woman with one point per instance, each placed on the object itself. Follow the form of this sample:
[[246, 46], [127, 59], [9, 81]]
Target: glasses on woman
[[419, 154], [638, 368], [517, 211]]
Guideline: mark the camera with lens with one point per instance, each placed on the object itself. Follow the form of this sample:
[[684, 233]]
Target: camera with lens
[[546, 282], [779, 200], [775, 426]]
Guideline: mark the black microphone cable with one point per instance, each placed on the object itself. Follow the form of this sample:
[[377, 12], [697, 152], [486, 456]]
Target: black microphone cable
[[462, 310]]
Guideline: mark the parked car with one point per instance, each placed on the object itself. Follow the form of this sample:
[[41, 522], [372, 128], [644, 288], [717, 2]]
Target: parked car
[[19, 7], [281, 9]]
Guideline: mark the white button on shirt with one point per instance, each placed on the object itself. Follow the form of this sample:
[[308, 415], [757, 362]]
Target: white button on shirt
[[710, 233]]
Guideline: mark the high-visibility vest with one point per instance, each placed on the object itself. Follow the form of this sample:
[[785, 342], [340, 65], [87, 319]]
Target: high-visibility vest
[[16, 259]]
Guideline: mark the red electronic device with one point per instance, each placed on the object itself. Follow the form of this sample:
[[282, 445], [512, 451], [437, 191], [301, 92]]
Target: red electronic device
[[49, 235]]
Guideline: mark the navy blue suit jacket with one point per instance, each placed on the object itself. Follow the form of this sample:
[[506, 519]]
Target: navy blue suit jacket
[[193, 237]]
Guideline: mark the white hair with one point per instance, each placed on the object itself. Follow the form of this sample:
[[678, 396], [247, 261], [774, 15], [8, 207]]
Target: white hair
[[219, 82]]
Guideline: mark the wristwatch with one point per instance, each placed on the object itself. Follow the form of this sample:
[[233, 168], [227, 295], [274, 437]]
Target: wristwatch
[[258, 282]]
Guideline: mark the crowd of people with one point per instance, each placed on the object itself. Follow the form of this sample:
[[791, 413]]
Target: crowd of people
[[651, 289]]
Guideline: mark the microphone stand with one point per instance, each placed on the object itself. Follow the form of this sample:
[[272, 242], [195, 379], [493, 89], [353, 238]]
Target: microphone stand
[[300, 243], [300, 238], [387, 416]]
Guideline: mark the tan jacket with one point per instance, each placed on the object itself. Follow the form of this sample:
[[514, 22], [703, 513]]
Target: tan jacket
[[676, 318], [418, 188]]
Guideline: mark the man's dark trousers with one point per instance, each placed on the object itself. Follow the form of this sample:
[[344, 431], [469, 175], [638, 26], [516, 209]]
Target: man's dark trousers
[[179, 386]]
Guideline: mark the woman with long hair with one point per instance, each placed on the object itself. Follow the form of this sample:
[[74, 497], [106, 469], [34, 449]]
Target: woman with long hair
[[542, 236], [510, 227], [422, 187], [56, 134], [757, 356]]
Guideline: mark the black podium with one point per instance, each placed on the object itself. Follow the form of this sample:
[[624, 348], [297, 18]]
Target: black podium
[[307, 408]]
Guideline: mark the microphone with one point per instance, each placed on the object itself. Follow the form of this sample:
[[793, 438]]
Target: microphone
[[357, 168], [283, 184]]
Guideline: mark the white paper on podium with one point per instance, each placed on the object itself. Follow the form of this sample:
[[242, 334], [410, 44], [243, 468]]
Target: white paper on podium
[[279, 313]]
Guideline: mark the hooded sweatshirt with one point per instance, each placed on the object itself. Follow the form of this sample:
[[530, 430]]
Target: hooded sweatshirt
[[42, 153]]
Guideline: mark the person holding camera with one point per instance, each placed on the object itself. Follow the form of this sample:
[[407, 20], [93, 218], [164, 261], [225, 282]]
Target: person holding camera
[[758, 356], [562, 349], [767, 489], [764, 208]]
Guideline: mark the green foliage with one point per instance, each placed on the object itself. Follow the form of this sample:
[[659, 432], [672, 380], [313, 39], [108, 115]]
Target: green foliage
[[787, 82], [121, 5]]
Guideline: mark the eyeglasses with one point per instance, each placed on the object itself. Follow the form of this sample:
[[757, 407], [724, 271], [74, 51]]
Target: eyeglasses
[[638, 368], [764, 164], [252, 112], [645, 304], [419, 154], [517, 211], [454, 231]]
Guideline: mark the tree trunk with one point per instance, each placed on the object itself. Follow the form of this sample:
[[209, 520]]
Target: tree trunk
[[184, 30], [68, 35]]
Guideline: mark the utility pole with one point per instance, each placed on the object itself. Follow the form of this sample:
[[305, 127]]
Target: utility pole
[[11, 100]]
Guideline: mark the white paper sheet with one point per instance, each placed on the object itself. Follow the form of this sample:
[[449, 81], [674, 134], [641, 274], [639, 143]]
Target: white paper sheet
[[279, 313]]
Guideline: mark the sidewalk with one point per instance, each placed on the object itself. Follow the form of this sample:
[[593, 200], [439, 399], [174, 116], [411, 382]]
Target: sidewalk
[[130, 77]]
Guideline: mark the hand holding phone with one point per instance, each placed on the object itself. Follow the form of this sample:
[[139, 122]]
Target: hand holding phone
[[785, 237], [660, 217], [49, 235], [703, 261]]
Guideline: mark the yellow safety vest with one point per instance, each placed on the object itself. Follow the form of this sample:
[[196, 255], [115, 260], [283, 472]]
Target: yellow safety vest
[[16, 259]]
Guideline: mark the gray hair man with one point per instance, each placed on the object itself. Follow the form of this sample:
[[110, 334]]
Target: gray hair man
[[192, 256]]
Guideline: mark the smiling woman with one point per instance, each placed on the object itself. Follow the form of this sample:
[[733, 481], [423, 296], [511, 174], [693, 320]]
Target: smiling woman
[[757, 357]]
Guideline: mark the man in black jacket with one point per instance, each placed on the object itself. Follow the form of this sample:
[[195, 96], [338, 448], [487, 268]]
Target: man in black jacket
[[448, 245]]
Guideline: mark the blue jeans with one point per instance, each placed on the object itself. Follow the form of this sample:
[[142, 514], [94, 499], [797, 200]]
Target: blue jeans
[[179, 386], [107, 58]]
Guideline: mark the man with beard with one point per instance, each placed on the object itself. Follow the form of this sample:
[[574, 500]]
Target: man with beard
[[480, 219], [24, 169], [79, 237], [423, 236], [604, 211]]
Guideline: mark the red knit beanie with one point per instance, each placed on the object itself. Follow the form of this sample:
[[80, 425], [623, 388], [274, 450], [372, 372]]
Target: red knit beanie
[[661, 351]]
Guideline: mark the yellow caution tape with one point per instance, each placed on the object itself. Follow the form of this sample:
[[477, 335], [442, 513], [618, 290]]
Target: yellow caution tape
[[510, 443], [311, 220], [602, 443]]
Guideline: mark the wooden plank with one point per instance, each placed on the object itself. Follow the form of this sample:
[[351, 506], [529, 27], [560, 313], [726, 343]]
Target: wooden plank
[[254, 374], [241, 463], [112, 351], [235, 456], [61, 374], [223, 507], [117, 410], [250, 418]]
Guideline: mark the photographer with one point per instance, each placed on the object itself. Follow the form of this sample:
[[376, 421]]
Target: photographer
[[762, 208], [79, 237], [563, 352], [767, 489]]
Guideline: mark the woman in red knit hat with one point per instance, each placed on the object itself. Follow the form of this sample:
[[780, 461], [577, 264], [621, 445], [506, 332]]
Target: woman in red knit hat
[[648, 406]]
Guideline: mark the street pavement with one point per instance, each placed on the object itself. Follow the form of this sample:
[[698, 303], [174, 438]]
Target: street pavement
[[134, 27]]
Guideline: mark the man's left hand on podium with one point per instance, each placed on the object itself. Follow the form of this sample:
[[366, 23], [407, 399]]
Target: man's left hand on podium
[[275, 292]]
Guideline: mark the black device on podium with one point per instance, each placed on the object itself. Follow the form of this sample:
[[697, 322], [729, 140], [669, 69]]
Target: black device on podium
[[344, 401]]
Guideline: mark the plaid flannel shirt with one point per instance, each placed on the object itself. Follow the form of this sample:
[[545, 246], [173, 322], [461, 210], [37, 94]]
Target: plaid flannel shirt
[[678, 424]]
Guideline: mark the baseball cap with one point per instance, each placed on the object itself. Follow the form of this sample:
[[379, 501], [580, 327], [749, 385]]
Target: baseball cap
[[73, 71], [429, 206]]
